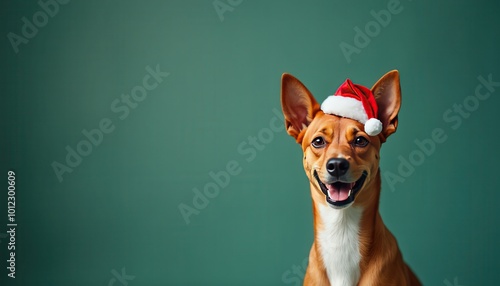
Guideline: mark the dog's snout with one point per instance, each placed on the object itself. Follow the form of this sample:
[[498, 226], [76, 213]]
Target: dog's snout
[[337, 167]]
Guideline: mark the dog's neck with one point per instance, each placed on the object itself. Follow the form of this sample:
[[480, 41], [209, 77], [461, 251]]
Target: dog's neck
[[343, 237], [338, 243]]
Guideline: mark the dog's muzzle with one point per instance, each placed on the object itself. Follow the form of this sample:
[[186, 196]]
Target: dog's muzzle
[[341, 194]]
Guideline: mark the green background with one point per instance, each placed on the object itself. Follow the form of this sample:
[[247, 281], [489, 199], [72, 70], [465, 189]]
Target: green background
[[119, 208]]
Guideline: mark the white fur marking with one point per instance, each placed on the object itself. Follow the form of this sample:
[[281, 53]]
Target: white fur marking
[[339, 244]]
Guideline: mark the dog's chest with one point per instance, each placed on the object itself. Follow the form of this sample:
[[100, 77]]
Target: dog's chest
[[339, 244]]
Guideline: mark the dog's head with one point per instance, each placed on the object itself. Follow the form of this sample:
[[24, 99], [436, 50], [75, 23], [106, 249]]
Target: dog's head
[[340, 159]]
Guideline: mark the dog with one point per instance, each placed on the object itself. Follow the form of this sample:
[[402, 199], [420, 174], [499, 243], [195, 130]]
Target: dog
[[341, 140]]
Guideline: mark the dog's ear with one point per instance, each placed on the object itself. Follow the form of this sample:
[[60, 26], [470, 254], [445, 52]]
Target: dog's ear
[[387, 92], [298, 104]]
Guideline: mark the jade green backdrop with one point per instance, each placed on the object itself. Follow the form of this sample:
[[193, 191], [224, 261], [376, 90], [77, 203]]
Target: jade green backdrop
[[203, 135]]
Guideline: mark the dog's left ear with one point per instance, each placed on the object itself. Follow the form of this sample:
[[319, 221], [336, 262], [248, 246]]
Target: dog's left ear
[[387, 92], [298, 104]]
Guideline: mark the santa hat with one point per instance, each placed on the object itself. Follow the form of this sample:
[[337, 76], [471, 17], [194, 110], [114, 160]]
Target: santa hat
[[356, 102]]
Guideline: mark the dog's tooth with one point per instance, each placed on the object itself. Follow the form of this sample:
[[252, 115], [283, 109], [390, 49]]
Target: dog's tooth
[[349, 194]]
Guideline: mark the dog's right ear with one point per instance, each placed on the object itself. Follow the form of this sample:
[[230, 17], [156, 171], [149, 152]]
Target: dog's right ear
[[298, 104]]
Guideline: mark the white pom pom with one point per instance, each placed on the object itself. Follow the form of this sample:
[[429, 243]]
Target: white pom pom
[[373, 126]]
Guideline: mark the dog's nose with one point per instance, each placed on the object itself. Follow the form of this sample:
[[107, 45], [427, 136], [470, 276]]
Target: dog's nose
[[337, 167]]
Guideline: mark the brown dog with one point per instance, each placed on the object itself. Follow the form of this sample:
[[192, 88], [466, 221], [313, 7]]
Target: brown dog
[[351, 245]]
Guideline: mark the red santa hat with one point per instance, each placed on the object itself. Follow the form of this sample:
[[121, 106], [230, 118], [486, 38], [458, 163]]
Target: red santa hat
[[356, 102]]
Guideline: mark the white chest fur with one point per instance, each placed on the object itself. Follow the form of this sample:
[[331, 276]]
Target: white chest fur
[[339, 244]]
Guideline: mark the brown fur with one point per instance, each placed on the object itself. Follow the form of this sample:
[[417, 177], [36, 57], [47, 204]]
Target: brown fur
[[381, 261]]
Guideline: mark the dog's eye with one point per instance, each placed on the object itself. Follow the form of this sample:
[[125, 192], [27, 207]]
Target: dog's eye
[[318, 142], [361, 141]]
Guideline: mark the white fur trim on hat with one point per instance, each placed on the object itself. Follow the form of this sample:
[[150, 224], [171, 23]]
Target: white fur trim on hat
[[351, 108], [345, 107], [373, 126]]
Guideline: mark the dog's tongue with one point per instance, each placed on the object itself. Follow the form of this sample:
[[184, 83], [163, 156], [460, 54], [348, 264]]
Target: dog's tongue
[[339, 191]]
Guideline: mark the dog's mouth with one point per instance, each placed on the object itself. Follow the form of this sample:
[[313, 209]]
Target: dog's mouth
[[341, 194]]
